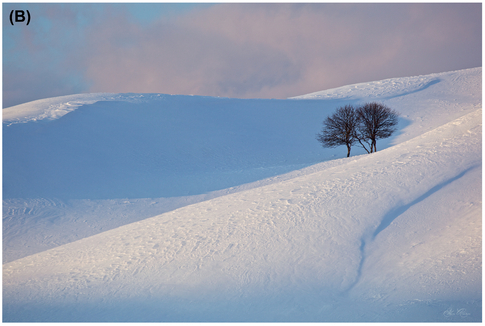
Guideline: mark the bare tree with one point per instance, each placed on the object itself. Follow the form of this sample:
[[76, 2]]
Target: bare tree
[[340, 128], [376, 121]]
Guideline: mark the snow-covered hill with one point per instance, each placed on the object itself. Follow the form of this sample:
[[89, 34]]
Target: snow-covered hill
[[392, 236]]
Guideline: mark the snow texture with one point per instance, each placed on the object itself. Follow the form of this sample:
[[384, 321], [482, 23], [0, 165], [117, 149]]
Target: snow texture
[[151, 207]]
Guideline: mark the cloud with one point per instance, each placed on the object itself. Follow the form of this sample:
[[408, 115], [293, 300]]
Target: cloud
[[281, 50], [39, 59], [269, 50], [181, 59]]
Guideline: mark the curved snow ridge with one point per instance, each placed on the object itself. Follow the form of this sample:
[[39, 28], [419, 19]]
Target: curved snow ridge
[[387, 88], [56, 107]]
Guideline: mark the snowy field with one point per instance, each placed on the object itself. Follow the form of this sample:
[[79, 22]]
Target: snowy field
[[153, 207]]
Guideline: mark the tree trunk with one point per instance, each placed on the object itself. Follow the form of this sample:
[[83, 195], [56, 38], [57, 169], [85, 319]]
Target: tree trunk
[[348, 150], [373, 146]]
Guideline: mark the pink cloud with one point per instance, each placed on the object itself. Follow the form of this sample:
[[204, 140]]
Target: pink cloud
[[279, 50]]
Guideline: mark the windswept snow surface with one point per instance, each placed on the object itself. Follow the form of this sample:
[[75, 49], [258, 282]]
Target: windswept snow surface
[[392, 236], [56, 107]]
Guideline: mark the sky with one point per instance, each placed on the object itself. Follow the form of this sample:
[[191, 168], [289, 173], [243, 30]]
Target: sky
[[243, 50]]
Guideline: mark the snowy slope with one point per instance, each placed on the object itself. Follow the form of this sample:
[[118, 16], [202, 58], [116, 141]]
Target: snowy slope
[[392, 236], [165, 146], [122, 168], [56, 107]]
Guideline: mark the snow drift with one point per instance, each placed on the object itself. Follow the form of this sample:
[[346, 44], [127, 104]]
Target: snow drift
[[391, 236]]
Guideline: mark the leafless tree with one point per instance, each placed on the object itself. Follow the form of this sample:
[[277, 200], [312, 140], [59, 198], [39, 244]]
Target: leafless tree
[[340, 128], [376, 121]]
